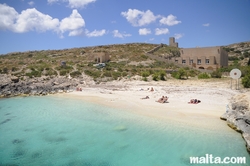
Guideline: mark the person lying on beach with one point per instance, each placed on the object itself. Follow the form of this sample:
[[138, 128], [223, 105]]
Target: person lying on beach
[[145, 97], [194, 101], [162, 99]]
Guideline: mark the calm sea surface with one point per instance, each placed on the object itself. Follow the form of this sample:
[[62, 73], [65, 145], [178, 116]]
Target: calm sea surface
[[61, 131]]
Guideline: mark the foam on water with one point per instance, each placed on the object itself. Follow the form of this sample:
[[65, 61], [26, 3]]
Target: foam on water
[[62, 131]]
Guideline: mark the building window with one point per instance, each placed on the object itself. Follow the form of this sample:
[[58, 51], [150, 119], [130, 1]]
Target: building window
[[183, 61], [182, 51], [198, 61], [218, 50], [191, 61], [207, 61], [176, 61]]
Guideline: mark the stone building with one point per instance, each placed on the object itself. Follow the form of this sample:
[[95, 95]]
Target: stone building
[[172, 42], [209, 58], [101, 57]]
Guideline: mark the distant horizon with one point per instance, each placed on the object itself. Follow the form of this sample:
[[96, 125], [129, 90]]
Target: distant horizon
[[27, 25]]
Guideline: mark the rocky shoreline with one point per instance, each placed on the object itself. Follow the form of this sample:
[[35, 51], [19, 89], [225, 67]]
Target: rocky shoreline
[[238, 116], [12, 86]]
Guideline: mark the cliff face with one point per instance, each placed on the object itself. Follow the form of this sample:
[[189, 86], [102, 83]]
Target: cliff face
[[238, 116]]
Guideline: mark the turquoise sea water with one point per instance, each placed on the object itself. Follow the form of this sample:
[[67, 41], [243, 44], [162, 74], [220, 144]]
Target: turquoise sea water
[[60, 131]]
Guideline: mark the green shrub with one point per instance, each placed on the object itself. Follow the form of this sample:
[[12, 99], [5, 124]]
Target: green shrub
[[124, 73], [75, 74], [93, 73], [216, 74], [107, 74], [192, 73], [156, 76], [237, 51], [116, 75], [120, 69], [34, 73], [14, 69], [5, 70], [162, 75], [246, 54], [145, 74], [144, 57], [63, 72], [50, 72], [144, 79], [179, 74], [203, 76], [233, 58], [134, 71], [246, 81]]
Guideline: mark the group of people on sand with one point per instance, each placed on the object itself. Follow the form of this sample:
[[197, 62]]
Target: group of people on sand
[[164, 99], [194, 101]]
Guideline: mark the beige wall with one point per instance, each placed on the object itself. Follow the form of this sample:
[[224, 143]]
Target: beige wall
[[205, 57], [101, 57]]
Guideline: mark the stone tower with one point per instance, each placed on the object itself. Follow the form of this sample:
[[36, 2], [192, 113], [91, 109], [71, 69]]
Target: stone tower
[[172, 42]]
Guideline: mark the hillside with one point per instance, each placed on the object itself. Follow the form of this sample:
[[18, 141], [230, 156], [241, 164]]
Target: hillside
[[239, 52], [126, 58]]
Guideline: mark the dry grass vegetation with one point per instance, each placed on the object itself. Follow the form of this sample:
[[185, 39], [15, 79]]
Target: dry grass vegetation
[[126, 60]]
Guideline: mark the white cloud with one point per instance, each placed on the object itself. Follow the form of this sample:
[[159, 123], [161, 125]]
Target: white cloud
[[8, 16], [178, 35], [161, 31], [206, 25], [144, 31], [170, 20], [139, 18], [116, 33], [52, 1], [151, 39], [95, 33], [74, 24], [31, 3], [33, 20], [76, 32], [73, 3], [79, 3]]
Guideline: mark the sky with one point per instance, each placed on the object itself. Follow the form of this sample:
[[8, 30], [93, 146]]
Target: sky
[[29, 25]]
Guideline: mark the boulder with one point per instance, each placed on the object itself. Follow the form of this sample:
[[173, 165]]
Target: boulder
[[14, 79]]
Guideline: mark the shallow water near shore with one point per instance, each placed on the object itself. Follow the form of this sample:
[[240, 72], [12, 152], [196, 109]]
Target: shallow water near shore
[[57, 131]]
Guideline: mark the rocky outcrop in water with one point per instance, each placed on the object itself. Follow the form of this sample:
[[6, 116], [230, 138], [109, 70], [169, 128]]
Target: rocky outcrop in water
[[13, 86], [238, 116]]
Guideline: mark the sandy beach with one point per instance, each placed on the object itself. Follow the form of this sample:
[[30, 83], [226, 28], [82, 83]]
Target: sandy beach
[[126, 94]]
